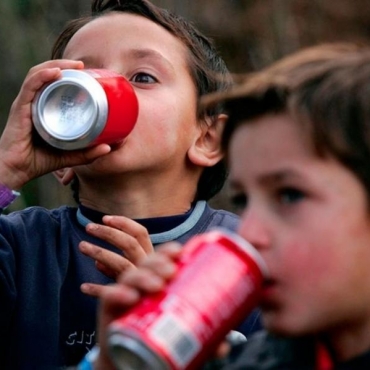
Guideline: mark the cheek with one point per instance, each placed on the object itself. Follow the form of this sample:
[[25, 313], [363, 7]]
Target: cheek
[[305, 261], [153, 128], [165, 119], [314, 264]]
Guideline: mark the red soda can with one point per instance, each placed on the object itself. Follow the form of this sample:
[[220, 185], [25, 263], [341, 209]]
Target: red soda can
[[217, 285], [85, 108]]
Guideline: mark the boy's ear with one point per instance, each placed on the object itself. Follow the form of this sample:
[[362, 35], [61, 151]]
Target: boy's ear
[[64, 175], [206, 150]]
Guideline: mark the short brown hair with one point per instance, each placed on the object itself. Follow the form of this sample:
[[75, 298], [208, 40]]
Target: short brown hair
[[325, 88]]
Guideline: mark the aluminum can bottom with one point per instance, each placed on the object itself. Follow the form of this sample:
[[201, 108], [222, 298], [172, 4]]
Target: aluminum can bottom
[[131, 353]]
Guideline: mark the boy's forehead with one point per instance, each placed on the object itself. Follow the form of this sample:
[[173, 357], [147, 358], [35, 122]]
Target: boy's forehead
[[268, 141], [121, 29], [124, 21], [124, 25]]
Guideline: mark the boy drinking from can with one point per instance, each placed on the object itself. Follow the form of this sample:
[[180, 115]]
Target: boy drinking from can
[[156, 182], [298, 147]]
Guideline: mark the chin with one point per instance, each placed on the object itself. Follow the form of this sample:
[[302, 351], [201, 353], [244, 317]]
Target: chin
[[282, 325]]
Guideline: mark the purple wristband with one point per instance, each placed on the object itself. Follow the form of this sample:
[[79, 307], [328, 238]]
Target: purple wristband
[[7, 196]]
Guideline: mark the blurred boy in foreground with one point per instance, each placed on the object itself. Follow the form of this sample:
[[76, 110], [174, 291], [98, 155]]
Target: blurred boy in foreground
[[298, 144]]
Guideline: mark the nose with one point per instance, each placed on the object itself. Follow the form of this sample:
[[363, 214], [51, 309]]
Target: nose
[[253, 227]]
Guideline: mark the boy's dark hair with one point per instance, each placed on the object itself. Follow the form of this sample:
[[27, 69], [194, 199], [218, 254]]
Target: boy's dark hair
[[206, 67], [326, 89]]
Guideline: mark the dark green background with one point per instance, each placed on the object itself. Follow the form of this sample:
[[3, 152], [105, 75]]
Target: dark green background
[[249, 35]]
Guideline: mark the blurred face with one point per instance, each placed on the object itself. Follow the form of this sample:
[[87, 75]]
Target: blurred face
[[308, 218], [155, 62]]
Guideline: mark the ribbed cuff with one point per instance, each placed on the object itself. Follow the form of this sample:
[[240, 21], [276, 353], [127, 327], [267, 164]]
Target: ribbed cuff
[[87, 362], [7, 196]]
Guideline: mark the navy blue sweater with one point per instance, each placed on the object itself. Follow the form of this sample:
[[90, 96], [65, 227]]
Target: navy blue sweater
[[45, 321]]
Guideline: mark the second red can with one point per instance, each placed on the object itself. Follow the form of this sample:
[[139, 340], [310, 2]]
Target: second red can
[[217, 285]]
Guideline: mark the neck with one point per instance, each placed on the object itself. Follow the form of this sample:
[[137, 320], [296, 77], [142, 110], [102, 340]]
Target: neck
[[348, 343], [138, 199]]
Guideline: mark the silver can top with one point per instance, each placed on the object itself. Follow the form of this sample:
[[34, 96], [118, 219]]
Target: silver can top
[[71, 112]]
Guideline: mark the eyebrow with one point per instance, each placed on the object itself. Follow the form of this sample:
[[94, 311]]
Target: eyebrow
[[150, 54], [272, 178], [138, 54], [278, 176]]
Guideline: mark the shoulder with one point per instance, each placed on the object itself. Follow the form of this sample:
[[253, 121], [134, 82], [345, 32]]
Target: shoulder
[[33, 218], [39, 237], [221, 217], [37, 211], [264, 351], [201, 219], [249, 354]]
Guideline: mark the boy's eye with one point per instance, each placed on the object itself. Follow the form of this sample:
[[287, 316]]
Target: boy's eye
[[239, 201], [290, 195], [143, 78]]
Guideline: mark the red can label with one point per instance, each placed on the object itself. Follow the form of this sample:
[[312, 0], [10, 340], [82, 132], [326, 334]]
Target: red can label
[[122, 105], [216, 287]]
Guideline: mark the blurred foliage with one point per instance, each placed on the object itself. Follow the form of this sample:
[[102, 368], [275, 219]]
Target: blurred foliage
[[248, 33]]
